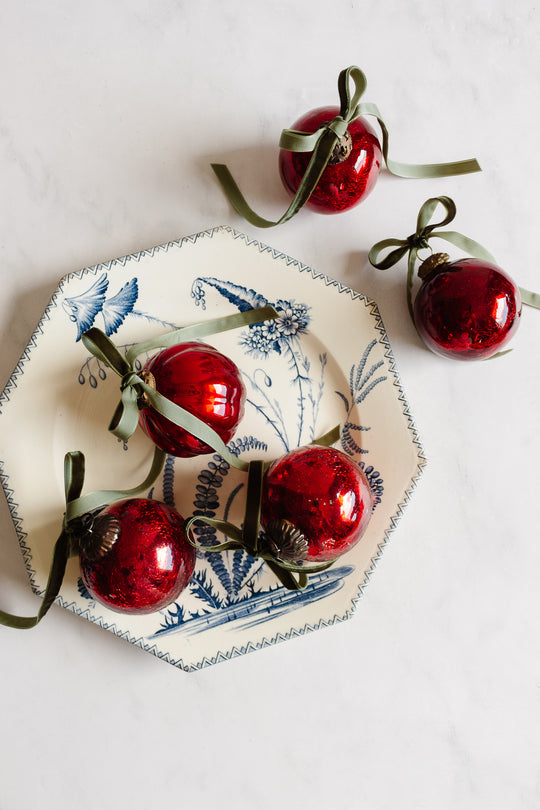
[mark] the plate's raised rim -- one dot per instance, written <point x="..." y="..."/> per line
<point x="355" y="295"/>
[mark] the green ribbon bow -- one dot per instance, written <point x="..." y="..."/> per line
<point x="248" y="537"/>
<point x="133" y="386"/>
<point x="67" y="544"/>
<point x="322" y="143"/>
<point x="420" y="240"/>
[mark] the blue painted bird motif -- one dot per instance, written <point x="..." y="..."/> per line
<point x="83" y="309"/>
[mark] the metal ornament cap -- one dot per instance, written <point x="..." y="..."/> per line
<point x="341" y="150"/>
<point x="285" y="541"/>
<point x="431" y="263"/>
<point x="147" y="377"/>
<point x="99" y="535"/>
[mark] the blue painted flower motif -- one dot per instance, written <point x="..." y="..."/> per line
<point x="83" y="309"/>
<point x="361" y="384"/>
<point x="261" y="339"/>
<point x="293" y="318"/>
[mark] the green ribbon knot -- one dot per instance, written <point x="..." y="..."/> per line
<point x="338" y="127"/>
<point x="67" y="544"/>
<point x="351" y="86"/>
<point x="133" y="386"/>
<point x="248" y="537"/>
<point x="130" y="380"/>
<point x="417" y="241"/>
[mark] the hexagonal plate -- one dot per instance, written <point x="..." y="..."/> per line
<point x="329" y="362"/>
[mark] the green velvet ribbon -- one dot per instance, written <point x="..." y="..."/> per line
<point x="531" y="299"/>
<point x="322" y="142"/>
<point x="67" y="544"/>
<point x="126" y="415"/>
<point x="420" y="240"/>
<point x="247" y="537"/>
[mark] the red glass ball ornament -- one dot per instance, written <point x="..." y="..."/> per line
<point x="148" y="565"/>
<point x="202" y="381"/>
<point x="467" y="309"/>
<point x="342" y="184"/>
<point x="324" y="494"/>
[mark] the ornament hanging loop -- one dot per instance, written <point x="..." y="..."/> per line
<point x="426" y="247"/>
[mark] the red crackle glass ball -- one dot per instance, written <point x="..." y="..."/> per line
<point x="345" y="183"/>
<point x="324" y="494"/>
<point x="148" y="562"/>
<point x="467" y="309"/>
<point x="202" y="381"/>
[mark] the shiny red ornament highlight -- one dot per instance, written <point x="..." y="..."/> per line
<point x="467" y="310"/>
<point x="342" y="185"/>
<point x="324" y="494"/>
<point x="148" y="566"/>
<point x="202" y="381"/>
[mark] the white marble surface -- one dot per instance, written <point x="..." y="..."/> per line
<point x="430" y="697"/>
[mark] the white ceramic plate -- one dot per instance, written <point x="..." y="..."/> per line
<point x="330" y="362"/>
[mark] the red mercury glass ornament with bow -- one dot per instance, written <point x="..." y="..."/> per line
<point x="134" y="556"/>
<point x="330" y="159"/>
<point x="467" y="309"/>
<point x="352" y="170"/>
<point x="204" y="382"/>
<point x="323" y="494"/>
<point x="302" y="512"/>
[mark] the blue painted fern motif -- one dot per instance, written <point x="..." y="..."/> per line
<point x="232" y="577"/>
<point x="234" y="571"/>
<point x="361" y="384"/>
<point x="238" y="295"/>
<point x="201" y="587"/>
<point x="168" y="482"/>
<point x="375" y="482"/>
